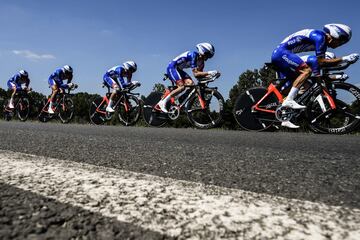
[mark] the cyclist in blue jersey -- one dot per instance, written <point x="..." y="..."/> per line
<point x="114" y="79"/>
<point x="190" y="59"/>
<point x="19" y="82"/>
<point x="56" y="83"/>
<point x="291" y="65"/>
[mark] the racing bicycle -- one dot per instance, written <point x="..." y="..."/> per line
<point x="63" y="107"/>
<point x="21" y="106"/>
<point x="127" y="106"/>
<point x="332" y="105"/>
<point x="203" y="105"/>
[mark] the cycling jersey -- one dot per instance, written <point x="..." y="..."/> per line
<point x="17" y="81"/>
<point x="114" y="76"/>
<point x="188" y="59"/>
<point x="284" y="56"/>
<point x="58" y="77"/>
<point x="312" y="61"/>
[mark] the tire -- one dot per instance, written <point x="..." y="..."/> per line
<point x="96" y="117"/>
<point x="151" y="116"/>
<point x="243" y="110"/>
<point x="131" y="116"/>
<point x="211" y="116"/>
<point x="66" y="110"/>
<point x="23" y="109"/>
<point x="344" y="119"/>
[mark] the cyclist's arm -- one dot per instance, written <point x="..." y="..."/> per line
<point x="199" y="73"/>
<point x="328" y="62"/>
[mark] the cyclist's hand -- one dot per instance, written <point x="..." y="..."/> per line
<point x="136" y="83"/>
<point x="352" y="58"/>
<point x="70" y="85"/>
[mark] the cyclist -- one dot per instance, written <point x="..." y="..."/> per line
<point x="56" y="82"/>
<point x="190" y="59"/>
<point x="114" y="79"/>
<point x="15" y="83"/>
<point x="291" y="65"/>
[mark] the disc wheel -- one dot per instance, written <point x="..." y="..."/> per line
<point x="154" y="117"/>
<point x="97" y="111"/>
<point x="246" y="117"/>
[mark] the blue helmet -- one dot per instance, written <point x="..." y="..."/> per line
<point x="23" y="73"/>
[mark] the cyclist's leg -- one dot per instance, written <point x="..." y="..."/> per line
<point x="54" y="91"/>
<point x="109" y="82"/>
<point x="292" y="65"/>
<point x="13" y="87"/>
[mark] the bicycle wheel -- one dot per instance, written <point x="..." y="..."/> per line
<point x="97" y="111"/>
<point x="152" y="116"/>
<point x="209" y="117"/>
<point x="129" y="110"/>
<point x="344" y="119"/>
<point x="244" y="115"/>
<point x="7" y="112"/>
<point x="23" y="109"/>
<point x="66" y="110"/>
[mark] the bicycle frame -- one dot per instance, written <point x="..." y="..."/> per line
<point x="272" y="89"/>
<point x="123" y="93"/>
<point x="18" y="100"/>
<point x="59" y="100"/>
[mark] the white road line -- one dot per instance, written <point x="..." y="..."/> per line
<point x="177" y="208"/>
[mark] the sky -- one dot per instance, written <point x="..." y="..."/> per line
<point x="93" y="36"/>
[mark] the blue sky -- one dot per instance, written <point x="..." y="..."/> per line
<point x="93" y="36"/>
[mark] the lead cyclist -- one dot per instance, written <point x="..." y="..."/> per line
<point x="291" y="65"/>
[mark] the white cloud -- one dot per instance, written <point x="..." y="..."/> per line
<point x="33" y="56"/>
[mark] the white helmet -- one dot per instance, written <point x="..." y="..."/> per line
<point x="330" y="55"/>
<point x="23" y="73"/>
<point x="339" y="31"/>
<point x="206" y="49"/>
<point x="68" y="69"/>
<point x="130" y="66"/>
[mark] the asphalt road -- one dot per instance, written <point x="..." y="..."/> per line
<point x="317" y="168"/>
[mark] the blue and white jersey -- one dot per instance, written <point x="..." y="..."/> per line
<point x="58" y="78"/>
<point x="18" y="80"/>
<point x="189" y="59"/>
<point x="117" y="73"/>
<point x="306" y="40"/>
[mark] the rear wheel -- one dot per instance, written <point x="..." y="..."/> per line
<point x="249" y="120"/>
<point x="23" y="109"/>
<point x="66" y="110"/>
<point x="152" y="116"/>
<point x="209" y="117"/>
<point x="97" y="111"/>
<point x="344" y="119"/>
<point x="129" y="110"/>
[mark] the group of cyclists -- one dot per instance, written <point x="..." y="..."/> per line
<point x="285" y="58"/>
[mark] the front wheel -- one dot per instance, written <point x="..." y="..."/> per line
<point x="211" y="115"/>
<point x="152" y="116"/>
<point x="246" y="117"/>
<point x="129" y="110"/>
<point x="23" y="109"/>
<point x="66" y="110"/>
<point x="342" y="120"/>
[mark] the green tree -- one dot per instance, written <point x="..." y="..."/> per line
<point x="158" y="87"/>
